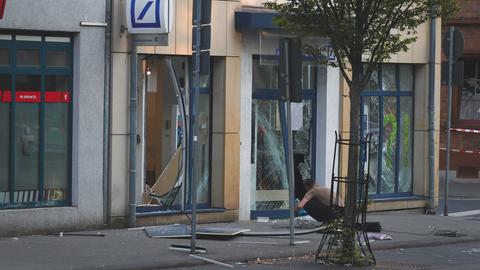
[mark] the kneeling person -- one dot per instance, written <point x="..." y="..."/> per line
<point x="317" y="202"/>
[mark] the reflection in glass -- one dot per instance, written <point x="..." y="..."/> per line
<point x="406" y="138"/>
<point x="309" y="75"/>
<point x="4" y="57"/>
<point x="203" y="154"/>
<point x="302" y="132"/>
<point x="372" y="84"/>
<point x="57" y="59"/>
<point x="371" y="125"/>
<point x="27" y="136"/>
<point x="28" y="57"/>
<point x="271" y="178"/>
<point x="389" y="81"/>
<point x="5" y="83"/>
<point x="56" y="141"/>
<point x="264" y="76"/>
<point x="57" y="83"/>
<point x="389" y="145"/>
<point x="470" y="99"/>
<point x="406" y="77"/>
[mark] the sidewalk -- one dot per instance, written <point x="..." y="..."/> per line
<point x="133" y="249"/>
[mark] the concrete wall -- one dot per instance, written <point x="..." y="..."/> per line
<point x="88" y="89"/>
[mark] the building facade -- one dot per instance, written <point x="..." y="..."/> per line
<point x="51" y="106"/>
<point x="57" y="160"/>
<point x="464" y="162"/>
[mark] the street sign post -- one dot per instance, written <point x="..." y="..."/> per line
<point x="201" y="59"/>
<point x="453" y="44"/>
<point x="290" y="84"/>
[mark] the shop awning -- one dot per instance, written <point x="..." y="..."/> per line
<point x="248" y="18"/>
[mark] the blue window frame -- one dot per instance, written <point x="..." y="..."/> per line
<point x="270" y="197"/>
<point x="387" y="113"/>
<point x="35" y="120"/>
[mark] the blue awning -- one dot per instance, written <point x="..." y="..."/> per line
<point x="255" y="18"/>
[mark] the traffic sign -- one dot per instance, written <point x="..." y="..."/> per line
<point x="206" y="11"/>
<point x="205" y="37"/>
<point x="458" y="43"/>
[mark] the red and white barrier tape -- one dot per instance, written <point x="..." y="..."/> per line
<point x="466" y="130"/>
<point x="461" y="151"/>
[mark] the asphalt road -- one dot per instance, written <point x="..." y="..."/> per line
<point x="462" y="197"/>
<point x="464" y="256"/>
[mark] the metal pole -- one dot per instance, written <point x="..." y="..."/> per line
<point x="289" y="156"/>
<point x="291" y="182"/>
<point x="133" y="135"/>
<point x="449" y="120"/>
<point x="431" y="116"/>
<point x="194" y="131"/>
<point x="106" y="113"/>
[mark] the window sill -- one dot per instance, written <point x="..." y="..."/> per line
<point x="178" y="212"/>
<point x="403" y="198"/>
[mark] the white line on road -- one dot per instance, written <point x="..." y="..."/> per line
<point x="465" y="213"/>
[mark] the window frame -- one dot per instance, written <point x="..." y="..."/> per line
<point x="457" y="100"/>
<point x="274" y="94"/>
<point x="382" y="94"/>
<point x="12" y="70"/>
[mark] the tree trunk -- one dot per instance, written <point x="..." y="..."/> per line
<point x="348" y="247"/>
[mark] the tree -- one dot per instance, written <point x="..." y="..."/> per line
<point x="362" y="33"/>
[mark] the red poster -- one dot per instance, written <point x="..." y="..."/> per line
<point x="22" y="96"/>
<point x="35" y="96"/>
<point x="63" y="97"/>
<point x="3" y="3"/>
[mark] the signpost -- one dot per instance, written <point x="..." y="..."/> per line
<point x="290" y="84"/>
<point x="453" y="47"/>
<point x="201" y="64"/>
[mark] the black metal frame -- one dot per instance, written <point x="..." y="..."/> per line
<point x="328" y="245"/>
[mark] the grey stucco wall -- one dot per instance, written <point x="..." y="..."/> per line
<point x="88" y="92"/>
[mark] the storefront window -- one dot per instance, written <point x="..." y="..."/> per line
<point x="35" y="119"/>
<point x="202" y="160"/>
<point x="387" y="114"/>
<point x="270" y="183"/>
<point x="5" y="84"/>
<point x="470" y="95"/>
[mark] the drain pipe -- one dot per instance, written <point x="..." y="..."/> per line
<point x="106" y="112"/>
<point x="133" y="135"/>
<point x="431" y="116"/>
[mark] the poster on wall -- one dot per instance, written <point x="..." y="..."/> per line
<point x="3" y="3"/>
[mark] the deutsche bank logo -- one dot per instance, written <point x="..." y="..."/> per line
<point x="149" y="16"/>
<point x="145" y="13"/>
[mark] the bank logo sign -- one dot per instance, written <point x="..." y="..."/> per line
<point x="149" y="16"/>
<point x="3" y="3"/>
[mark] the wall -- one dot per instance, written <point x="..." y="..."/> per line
<point x="462" y="165"/>
<point x="225" y="47"/>
<point x="89" y="45"/>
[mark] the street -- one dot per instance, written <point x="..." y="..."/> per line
<point x="463" y="256"/>
<point x="463" y="198"/>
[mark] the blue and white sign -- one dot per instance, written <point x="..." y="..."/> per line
<point x="149" y="16"/>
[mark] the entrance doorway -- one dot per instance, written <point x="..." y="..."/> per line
<point x="165" y="183"/>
